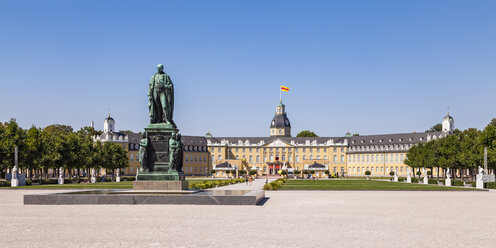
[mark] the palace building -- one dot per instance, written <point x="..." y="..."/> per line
<point x="340" y="156"/>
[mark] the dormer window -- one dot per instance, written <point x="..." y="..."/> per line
<point x="401" y="139"/>
<point x="371" y="141"/>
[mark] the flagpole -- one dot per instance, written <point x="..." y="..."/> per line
<point x="280" y="93"/>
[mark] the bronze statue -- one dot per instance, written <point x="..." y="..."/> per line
<point x="142" y="154"/>
<point x="176" y="148"/>
<point x="161" y="98"/>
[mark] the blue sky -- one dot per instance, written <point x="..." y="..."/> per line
<point x="372" y="67"/>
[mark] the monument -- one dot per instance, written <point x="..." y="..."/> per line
<point x="395" y="179"/>
<point x="448" y="178"/>
<point x="161" y="149"/>
<point x="426" y="178"/>
<point x="408" y="176"/>
<point x="479" y="182"/>
<point x="14" y="182"/>
<point x="60" y="180"/>
<point x="93" y="177"/>
<point x="118" y="175"/>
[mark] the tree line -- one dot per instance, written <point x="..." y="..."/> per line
<point x="55" y="146"/>
<point x="462" y="152"/>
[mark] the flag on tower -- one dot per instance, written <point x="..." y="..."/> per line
<point x="284" y="88"/>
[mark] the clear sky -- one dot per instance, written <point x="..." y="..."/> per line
<point x="372" y="67"/>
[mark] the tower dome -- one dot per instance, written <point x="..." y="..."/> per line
<point x="108" y="124"/>
<point x="280" y="125"/>
<point x="448" y="124"/>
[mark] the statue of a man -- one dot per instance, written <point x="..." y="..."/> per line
<point x="142" y="154"/>
<point x="176" y="148"/>
<point x="161" y="97"/>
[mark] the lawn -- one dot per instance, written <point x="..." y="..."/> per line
<point x="355" y="184"/>
<point x="104" y="185"/>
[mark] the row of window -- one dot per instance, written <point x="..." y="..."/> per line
<point x="283" y="158"/>
<point x="304" y="149"/>
<point x="378" y="169"/>
<point x="376" y="158"/>
<point x="192" y="170"/>
<point x="390" y="140"/>
<point x="380" y="147"/>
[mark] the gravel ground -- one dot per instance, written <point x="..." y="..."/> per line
<point x="288" y="218"/>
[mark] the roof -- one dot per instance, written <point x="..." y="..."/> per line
<point x="134" y="137"/>
<point x="316" y="165"/>
<point x="387" y="139"/>
<point x="194" y="140"/>
<point x="267" y="140"/>
<point x="280" y="121"/>
<point x="225" y="165"/>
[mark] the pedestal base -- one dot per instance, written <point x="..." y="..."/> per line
<point x="395" y="179"/>
<point x="479" y="184"/>
<point x="447" y="182"/>
<point x="60" y="180"/>
<point x="160" y="185"/>
<point x="426" y="181"/>
<point x="409" y="180"/>
<point x="160" y="176"/>
<point x="14" y="183"/>
<point x="118" y="179"/>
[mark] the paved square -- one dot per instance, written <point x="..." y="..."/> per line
<point x="288" y="218"/>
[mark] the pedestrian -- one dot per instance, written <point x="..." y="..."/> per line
<point x="246" y="180"/>
<point x="249" y="180"/>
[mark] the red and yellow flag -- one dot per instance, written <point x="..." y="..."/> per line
<point x="284" y="88"/>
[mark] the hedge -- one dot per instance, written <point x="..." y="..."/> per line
<point x="211" y="184"/>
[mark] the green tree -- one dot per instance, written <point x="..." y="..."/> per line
<point x="11" y="136"/>
<point x="436" y="128"/>
<point x="306" y="133"/>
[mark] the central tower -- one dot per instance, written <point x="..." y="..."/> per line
<point x="280" y="126"/>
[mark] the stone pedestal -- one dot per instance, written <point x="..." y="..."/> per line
<point x="158" y="164"/>
<point x="118" y="179"/>
<point x="479" y="184"/>
<point x="60" y="180"/>
<point x="409" y="179"/>
<point x="426" y="180"/>
<point x="447" y="182"/>
<point x="160" y="185"/>
<point x="14" y="183"/>
<point x="395" y="179"/>
<point x="93" y="179"/>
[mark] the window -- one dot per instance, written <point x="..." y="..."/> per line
<point x="325" y="149"/>
<point x="325" y="157"/>
<point x="251" y="159"/>
<point x="271" y="158"/>
<point x="401" y="157"/>
<point x="318" y="156"/>
<point x="244" y="150"/>
<point x="311" y="157"/>
<point x="368" y="158"/>
<point x="334" y="170"/>
<point x="250" y="150"/>
<point x="342" y="158"/>
<point x="304" y="149"/>
<point x="258" y="159"/>
<point x="290" y="159"/>
<point x="297" y="158"/>
<point x="218" y="149"/>
<point x="237" y="156"/>
<point x="342" y="149"/>
<point x="372" y="158"/>
<point x="335" y="158"/>
<point x="132" y="157"/>
<point x="219" y="157"/>
<point x="258" y="149"/>
<point x="318" y="150"/>
<point x="334" y="150"/>
<point x="196" y="160"/>
<point x="396" y="158"/>
<point x="236" y="149"/>
<point x="304" y="157"/>
<point x="283" y="157"/>
<point x="265" y="159"/>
